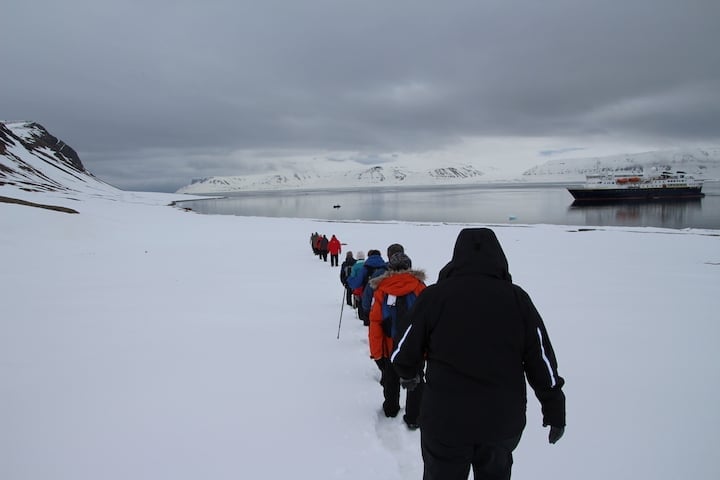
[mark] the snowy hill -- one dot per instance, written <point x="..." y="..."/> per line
<point x="702" y="162"/>
<point x="376" y="176"/>
<point x="32" y="160"/>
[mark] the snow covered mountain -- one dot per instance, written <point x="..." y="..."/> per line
<point x="32" y="160"/>
<point x="377" y="176"/>
<point x="702" y="162"/>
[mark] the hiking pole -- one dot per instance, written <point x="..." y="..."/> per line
<point x="342" y="305"/>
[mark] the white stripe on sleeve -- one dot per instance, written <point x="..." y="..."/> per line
<point x="400" y="343"/>
<point x="553" y="380"/>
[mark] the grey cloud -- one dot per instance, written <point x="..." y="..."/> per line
<point x="120" y="79"/>
<point x="550" y="153"/>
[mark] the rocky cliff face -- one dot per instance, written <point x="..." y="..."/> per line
<point x="31" y="159"/>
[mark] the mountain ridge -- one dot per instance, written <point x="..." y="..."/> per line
<point x="704" y="162"/>
<point x="33" y="160"/>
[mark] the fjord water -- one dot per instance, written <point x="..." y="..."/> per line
<point x="486" y="204"/>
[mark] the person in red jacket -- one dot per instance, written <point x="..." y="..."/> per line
<point x="394" y="293"/>
<point x="334" y="248"/>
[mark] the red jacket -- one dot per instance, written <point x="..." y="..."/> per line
<point x="334" y="246"/>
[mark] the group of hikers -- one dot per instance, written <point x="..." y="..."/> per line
<point x="462" y="348"/>
<point x="321" y="247"/>
<point x="382" y="292"/>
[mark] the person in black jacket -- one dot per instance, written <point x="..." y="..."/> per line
<point x="345" y="270"/>
<point x="481" y="337"/>
<point x="324" y="247"/>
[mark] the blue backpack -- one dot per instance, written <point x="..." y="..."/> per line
<point x="394" y="310"/>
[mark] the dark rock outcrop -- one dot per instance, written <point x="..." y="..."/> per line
<point x="23" y="144"/>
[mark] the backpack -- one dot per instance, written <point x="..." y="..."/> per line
<point x="394" y="310"/>
<point x="345" y="272"/>
<point x="364" y="292"/>
<point x="371" y="272"/>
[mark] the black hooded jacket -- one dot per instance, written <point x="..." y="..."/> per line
<point x="482" y="337"/>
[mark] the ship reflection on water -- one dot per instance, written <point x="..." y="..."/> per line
<point x="677" y="213"/>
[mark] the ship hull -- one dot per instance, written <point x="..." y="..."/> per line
<point x="616" y="194"/>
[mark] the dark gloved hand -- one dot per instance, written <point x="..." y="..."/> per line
<point x="555" y="434"/>
<point x="410" y="383"/>
<point x="382" y="363"/>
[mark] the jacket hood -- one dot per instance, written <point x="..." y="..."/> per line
<point x="398" y="279"/>
<point x="375" y="261"/>
<point x="477" y="251"/>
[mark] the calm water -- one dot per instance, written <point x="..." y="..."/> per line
<point x="528" y="204"/>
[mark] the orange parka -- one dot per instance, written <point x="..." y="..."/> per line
<point x="396" y="283"/>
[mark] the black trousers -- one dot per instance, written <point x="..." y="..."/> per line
<point x="391" y="394"/>
<point x="333" y="260"/>
<point x="363" y="314"/>
<point x="489" y="461"/>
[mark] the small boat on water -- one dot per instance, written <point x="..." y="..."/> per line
<point x="636" y="186"/>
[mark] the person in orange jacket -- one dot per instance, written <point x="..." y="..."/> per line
<point x="394" y="294"/>
<point x="334" y="248"/>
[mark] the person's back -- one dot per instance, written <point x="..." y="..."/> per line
<point x="360" y="276"/>
<point x="355" y="273"/>
<point x="359" y="280"/>
<point x="377" y="271"/>
<point x="375" y="266"/>
<point x="482" y="338"/>
<point x="393" y="285"/>
<point x="324" y="247"/>
<point x="346" y="267"/>
<point x="345" y="271"/>
<point x="477" y="352"/>
<point x="356" y="269"/>
<point x="334" y="248"/>
<point x="394" y="294"/>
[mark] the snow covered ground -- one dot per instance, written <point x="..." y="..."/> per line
<point x="139" y="341"/>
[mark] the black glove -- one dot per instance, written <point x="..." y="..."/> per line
<point x="381" y="363"/>
<point x="410" y="383"/>
<point x="555" y="434"/>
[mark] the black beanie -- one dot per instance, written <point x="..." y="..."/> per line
<point x="393" y="249"/>
<point x="400" y="261"/>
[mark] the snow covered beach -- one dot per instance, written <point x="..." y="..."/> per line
<point x="142" y="341"/>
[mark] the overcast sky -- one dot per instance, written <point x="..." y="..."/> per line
<point x="153" y="93"/>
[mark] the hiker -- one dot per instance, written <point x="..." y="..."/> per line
<point x="323" y="247"/>
<point x="345" y="270"/>
<point x="355" y="272"/>
<point x="313" y="243"/>
<point x="394" y="293"/>
<point x="481" y="337"/>
<point x="358" y="283"/>
<point x="318" y="241"/>
<point x="334" y="248"/>
<point x="367" y="295"/>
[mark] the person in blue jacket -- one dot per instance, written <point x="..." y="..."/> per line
<point x="358" y="282"/>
